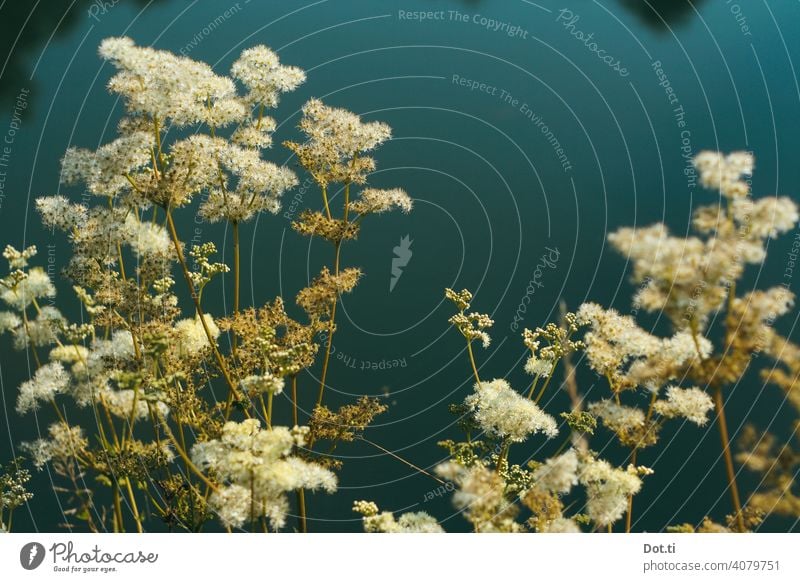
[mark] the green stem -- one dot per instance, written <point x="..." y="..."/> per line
<point x="472" y="362"/>
<point x="331" y="327"/>
<point x="236" y="277"/>
<point x="196" y="300"/>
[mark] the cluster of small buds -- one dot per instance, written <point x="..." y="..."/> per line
<point x="365" y="508"/>
<point x="461" y="299"/>
<point x="262" y="384"/>
<point x="204" y="270"/>
<point x="559" y="344"/>
<point x="19" y="259"/>
<point x="472" y="326"/>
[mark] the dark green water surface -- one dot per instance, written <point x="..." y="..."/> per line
<point x="516" y="143"/>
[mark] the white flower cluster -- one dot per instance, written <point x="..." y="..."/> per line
<point x="618" y="348"/>
<point x="617" y="417"/>
<point x="263" y="384"/>
<point x="103" y="171"/>
<point x="258" y="186"/>
<point x="726" y="173"/>
<point x="336" y="144"/>
<point x="375" y="201"/>
<point x="690" y="403"/>
<point x="260" y="70"/>
<point x="192" y="338"/>
<point x="480" y="495"/>
<point x="161" y="85"/>
<point x="539" y="367"/>
<point x="376" y="521"/>
<point x="49" y="380"/>
<point x="689" y="277"/>
<point x="607" y="489"/>
<point x="65" y="443"/>
<point x="503" y="413"/>
<point x="35" y="284"/>
<point x="258" y="470"/>
<point x="341" y="130"/>
<point x="558" y="474"/>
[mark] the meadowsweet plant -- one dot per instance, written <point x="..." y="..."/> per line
<point x="160" y="413"/>
<point x="717" y="336"/>
<point x="153" y="418"/>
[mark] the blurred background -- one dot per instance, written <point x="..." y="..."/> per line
<point x="516" y="140"/>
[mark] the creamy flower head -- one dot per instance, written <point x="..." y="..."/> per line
<point x="376" y="521"/>
<point x="161" y="85"/>
<point x="192" y="334"/>
<point x="260" y="70"/>
<point x="35" y="285"/>
<point x="375" y="201"/>
<point x="49" y="380"/>
<point x="607" y="489"/>
<point x="558" y="474"/>
<point x="690" y="403"/>
<point x="617" y="417"/>
<point x="725" y="173"/>
<point x="503" y="413"/>
<point x="257" y="471"/>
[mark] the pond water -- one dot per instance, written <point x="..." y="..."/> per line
<point x="525" y="132"/>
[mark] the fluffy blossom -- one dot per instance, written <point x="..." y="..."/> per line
<point x="558" y="474"/>
<point x="480" y="496"/>
<point x="690" y="403"/>
<point x="65" y="443"/>
<point x="49" y="380"/>
<point x="161" y="85"/>
<point x="263" y="384"/>
<point x="616" y="416"/>
<point x="385" y="522"/>
<point x="607" y="489"/>
<point x="192" y="334"/>
<point x="337" y="143"/>
<point x="35" y="285"/>
<point x="374" y="201"/>
<point x="725" y="173"/>
<point x="258" y="470"/>
<point x="259" y="69"/>
<point x="503" y="413"/>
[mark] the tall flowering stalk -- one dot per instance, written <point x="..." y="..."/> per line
<point x="163" y="445"/>
<point x="692" y="280"/>
<point x="164" y="448"/>
<point x="335" y="153"/>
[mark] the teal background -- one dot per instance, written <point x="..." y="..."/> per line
<point x="491" y="195"/>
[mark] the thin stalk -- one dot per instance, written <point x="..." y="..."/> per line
<point x="236" y="277"/>
<point x="325" y="202"/>
<point x="546" y="383"/>
<point x="634" y="454"/>
<point x="402" y="460"/>
<point x="301" y="506"/>
<point x="329" y="342"/>
<point x="118" y="525"/>
<point x="196" y="300"/>
<point x="134" y="507"/>
<point x="726" y="450"/>
<point x="294" y="400"/>
<point x="185" y="457"/>
<point x="472" y="362"/>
